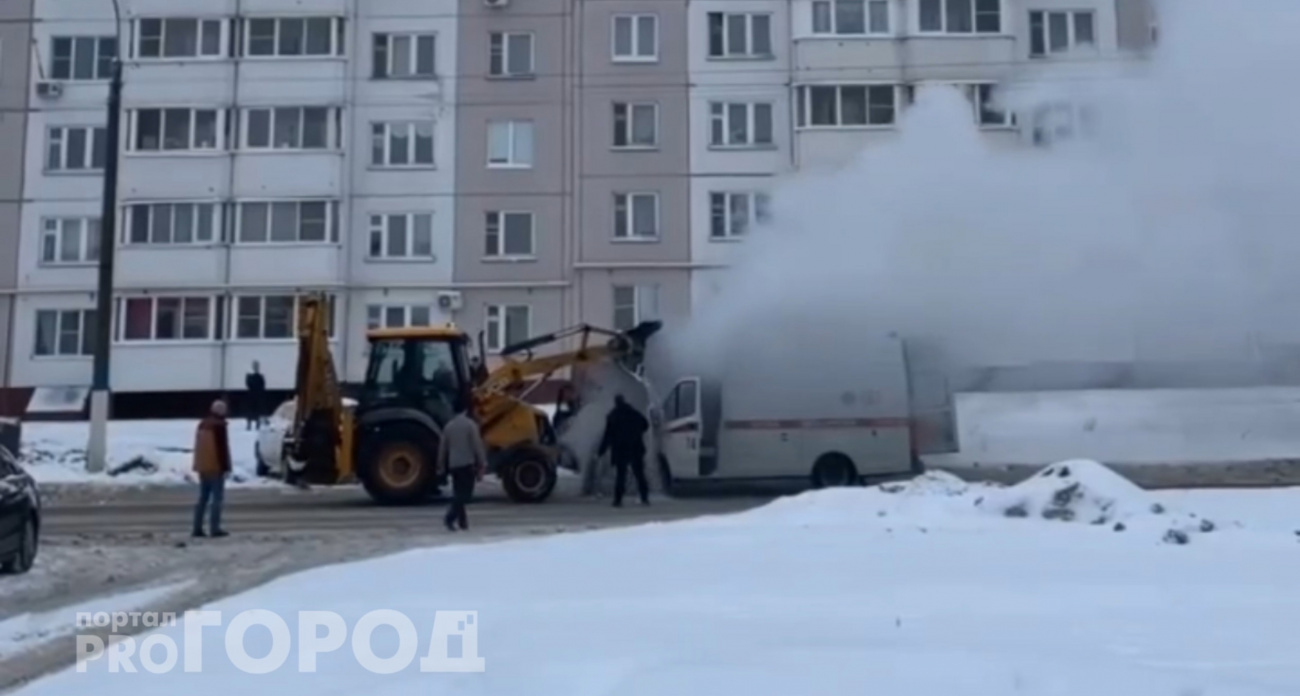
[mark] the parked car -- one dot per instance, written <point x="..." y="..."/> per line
<point x="20" y="516"/>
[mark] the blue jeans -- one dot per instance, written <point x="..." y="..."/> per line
<point x="214" y="491"/>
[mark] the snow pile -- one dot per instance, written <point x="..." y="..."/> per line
<point x="1085" y="491"/>
<point x="139" y="452"/>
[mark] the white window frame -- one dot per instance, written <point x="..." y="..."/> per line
<point x="1043" y="32"/>
<point x="720" y="115"/>
<point x="976" y="13"/>
<point x="1057" y="122"/>
<point x="513" y="138"/>
<point x="237" y="305"/>
<point x="201" y="53"/>
<point x="155" y="209"/>
<point x="384" y="134"/>
<point x="385" y="70"/>
<point x="55" y="231"/>
<point x="496" y="319"/>
<point x="336" y="38"/>
<point x="499" y="45"/>
<point x="494" y="232"/>
<point x="727" y="50"/>
<point x="211" y="329"/>
<point x="979" y="94"/>
<point x="627" y="127"/>
<point x="756" y="206"/>
<point x="333" y="118"/>
<point x="830" y="9"/>
<point x="104" y="57"/>
<point x="331" y="222"/>
<point x="58" y="136"/>
<point x="192" y="146"/>
<point x="84" y="328"/>
<point x="381" y="230"/>
<point x="637" y="53"/>
<point x="643" y="294"/>
<point x="804" y="107"/>
<point x="378" y="315"/>
<point x="625" y="203"/>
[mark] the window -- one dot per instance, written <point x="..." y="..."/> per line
<point x="851" y="17"/>
<point x="636" y="125"/>
<point x="82" y="57"/>
<point x="961" y="16"/>
<point x="401" y="236"/>
<point x="847" y="106"/>
<point x="508" y="234"/>
<point x="510" y="144"/>
<point x="180" y="37"/>
<point x="635" y="38"/>
<point x="75" y="148"/>
<point x="730" y="213"/>
<point x="507" y="325"/>
<point x="174" y="129"/>
<point x="740" y="124"/>
<point x="1060" y="121"/>
<point x="171" y="223"/>
<point x="510" y="54"/>
<point x="272" y="317"/>
<point x="404" y="56"/>
<point x="288" y="222"/>
<point x="398" y="316"/>
<point x="981" y="97"/>
<point x="291" y="128"/>
<point x="634" y="304"/>
<point x="740" y="35"/>
<point x="69" y="240"/>
<point x="167" y="318"/>
<point x="65" y="332"/>
<point x="401" y="144"/>
<point x="636" y="216"/>
<point x="1060" y="32"/>
<point x="294" y="36"/>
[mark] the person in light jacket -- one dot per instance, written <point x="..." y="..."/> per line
<point x="462" y="454"/>
<point x="212" y="466"/>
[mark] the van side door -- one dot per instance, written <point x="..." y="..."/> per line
<point x="682" y="428"/>
<point x="931" y="403"/>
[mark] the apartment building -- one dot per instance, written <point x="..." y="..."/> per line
<point x="512" y="167"/>
<point x="15" y="35"/>
<point x="269" y="147"/>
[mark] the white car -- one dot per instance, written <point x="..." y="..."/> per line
<point x="268" y="448"/>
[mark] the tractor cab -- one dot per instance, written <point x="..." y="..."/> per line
<point x="425" y="369"/>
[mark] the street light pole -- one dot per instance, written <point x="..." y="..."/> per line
<point x="97" y="448"/>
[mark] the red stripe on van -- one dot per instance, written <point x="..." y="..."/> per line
<point x="819" y="424"/>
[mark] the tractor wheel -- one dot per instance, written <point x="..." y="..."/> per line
<point x="527" y="474"/>
<point x="397" y="464"/>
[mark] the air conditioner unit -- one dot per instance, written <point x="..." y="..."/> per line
<point x="496" y="3"/>
<point x="49" y="90"/>
<point x="450" y="301"/>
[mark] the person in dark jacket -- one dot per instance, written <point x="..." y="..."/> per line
<point x="212" y="466"/>
<point x="256" y="385"/>
<point x="624" y="439"/>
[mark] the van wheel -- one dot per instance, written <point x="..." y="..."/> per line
<point x="834" y="470"/>
<point x="25" y="557"/>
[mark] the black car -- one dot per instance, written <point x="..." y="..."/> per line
<point x="20" y="516"/>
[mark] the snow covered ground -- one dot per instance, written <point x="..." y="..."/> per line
<point x="25" y="631"/>
<point x="1069" y="584"/>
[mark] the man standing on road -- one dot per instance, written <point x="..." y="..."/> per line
<point x="256" y="385"/>
<point x="624" y="439"/>
<point x="462" y="454"/>
<point x="212" y="465"/>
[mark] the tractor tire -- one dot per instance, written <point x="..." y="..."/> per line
<point x="527" y="474"/>
<point x="834" y="470"/>
<point x="397" y="464"/>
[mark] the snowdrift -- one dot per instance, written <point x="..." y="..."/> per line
<point x="1078" y="492"/>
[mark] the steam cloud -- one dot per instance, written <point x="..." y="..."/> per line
<point x="1172" y="232"/>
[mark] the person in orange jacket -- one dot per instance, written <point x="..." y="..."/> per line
<point x="212" y="466"/>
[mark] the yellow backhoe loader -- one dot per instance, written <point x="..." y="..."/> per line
<point x="389" y="440"/>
